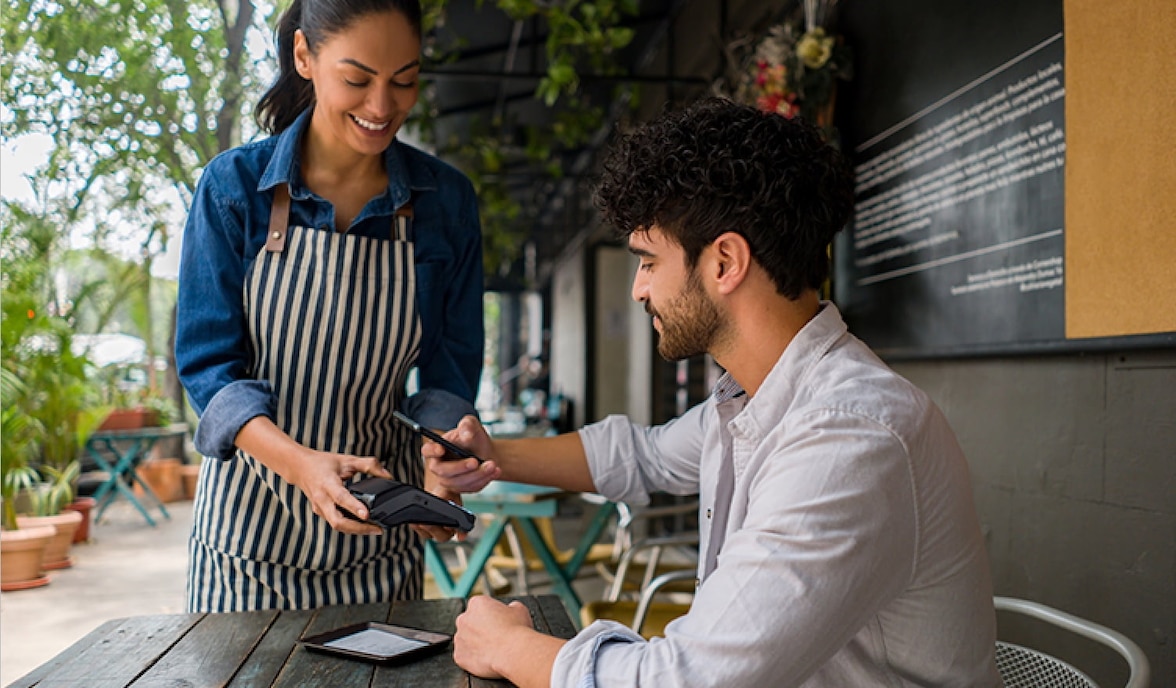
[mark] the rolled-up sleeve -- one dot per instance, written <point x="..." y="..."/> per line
<point x="235" y="405"/>
<point x="576" y="665"/>
<point x="437" y="408"/>
<point x="628" y="462"/>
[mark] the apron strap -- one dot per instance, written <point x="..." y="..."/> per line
<point x="275" y="241"/>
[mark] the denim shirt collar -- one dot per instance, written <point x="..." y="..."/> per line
<point x="405" y="175"/>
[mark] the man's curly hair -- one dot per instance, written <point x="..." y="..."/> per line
<point x="718" y="166"/>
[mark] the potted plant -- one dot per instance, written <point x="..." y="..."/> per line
<point x="132" y="405"/>
<point x="48" y="498"/>
<point x="21" y="551"/>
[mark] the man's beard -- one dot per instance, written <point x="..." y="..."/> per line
<point x="690" y="322"/>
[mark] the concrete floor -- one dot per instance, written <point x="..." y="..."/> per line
<point x="128" y="569"/>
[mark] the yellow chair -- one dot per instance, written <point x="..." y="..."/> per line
<point x="646" y="615"/>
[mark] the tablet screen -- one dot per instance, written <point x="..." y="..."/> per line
<point x="375" y="642"/>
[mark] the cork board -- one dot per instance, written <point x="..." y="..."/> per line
<point x="1121" y="167"/>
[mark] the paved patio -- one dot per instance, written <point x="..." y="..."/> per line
<point x="128" y="568"/>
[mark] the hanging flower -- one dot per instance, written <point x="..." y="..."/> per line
<point x="815" y="48"/>
<point x="789" y="71"/>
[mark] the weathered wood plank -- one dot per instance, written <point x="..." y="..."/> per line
<point x="66" y="656"/>
<point x="209" y="654"/>
<point x="120" y="656"/>
<point x="315" y="669"/>
<point x="270" y="655"/>
<point x="559" y="622"/>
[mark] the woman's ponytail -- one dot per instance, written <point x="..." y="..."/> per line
<point x="290" y="94"/>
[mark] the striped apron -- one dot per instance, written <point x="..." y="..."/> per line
<point x="333" y="327"/>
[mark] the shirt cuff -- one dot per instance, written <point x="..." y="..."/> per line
<point x="437" y="408"/>
<point x="227" y="412"/>
<point x="575" y="665"/>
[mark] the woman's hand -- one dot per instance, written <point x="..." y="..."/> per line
<point x="321" y="476"/>
<point x="462" y="475"/>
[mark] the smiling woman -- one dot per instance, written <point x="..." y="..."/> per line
<point x="320" y="265"/>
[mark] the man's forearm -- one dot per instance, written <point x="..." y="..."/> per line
<point x="556" y="461"/>
<point x="528" y="658"/>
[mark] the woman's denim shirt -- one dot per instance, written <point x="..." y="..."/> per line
<point x="226" y="229"/>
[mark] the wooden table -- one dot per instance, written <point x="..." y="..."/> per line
<point x="260" y="649"/>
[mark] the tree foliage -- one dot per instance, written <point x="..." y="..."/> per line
<point x="137" y="96"/>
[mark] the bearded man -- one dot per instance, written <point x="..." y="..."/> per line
<point x="839" y="543"/>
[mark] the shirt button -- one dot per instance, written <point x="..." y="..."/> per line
<point x="697" y="583"/>
<point x="708" y="513"/>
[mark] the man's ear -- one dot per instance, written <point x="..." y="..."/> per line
<point x="732" y="261"/>
<point x="301" y="55"/>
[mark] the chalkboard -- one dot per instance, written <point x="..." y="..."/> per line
<point x="956" y="124"/>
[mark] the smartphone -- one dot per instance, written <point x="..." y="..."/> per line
<point x="377" y="642"/>
<point x="449" y="446"/>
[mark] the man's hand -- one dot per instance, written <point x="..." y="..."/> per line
<point x="483" y="634"/>
<point x="438" y="533"/>
<point x="465" y="475"/>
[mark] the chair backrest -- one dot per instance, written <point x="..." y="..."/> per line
<point x="1021" y="667"/>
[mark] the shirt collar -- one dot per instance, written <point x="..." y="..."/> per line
<point x="805" y="350"/>
<point x="405" y="175"/>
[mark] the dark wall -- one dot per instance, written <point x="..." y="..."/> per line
<point x="1074" y="467"/>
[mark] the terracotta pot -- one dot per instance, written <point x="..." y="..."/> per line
<point x="65" y="525"/>
<point x="191" y="475"/>
<point x="21" y="554"/>
<point x="82" y="505"/>
<point x="130" y="419"/>
<point x="163" y="476"/>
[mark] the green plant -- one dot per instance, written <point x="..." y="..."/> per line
<point x="49" y="403"/>
<point x="54" y="489"/>
<point x="18" y="431"/>
<point x="164" y="407"/>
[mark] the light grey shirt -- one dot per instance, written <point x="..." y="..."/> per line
<point x="839" y="541"/>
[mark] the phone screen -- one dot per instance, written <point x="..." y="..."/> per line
<point x="449" y="446"/>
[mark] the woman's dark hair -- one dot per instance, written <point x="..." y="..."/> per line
<point x="290" y="94"/>
<point x="717" y="167"/>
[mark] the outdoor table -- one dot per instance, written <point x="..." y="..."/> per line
<point x="520" y="503"/>
<point x="118" y="453"/>
<point x="257" y="649"/>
